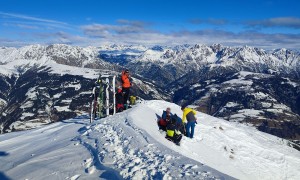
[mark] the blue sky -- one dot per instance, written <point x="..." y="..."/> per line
<point x="268" y="24"/>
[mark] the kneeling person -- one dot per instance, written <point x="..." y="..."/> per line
<point x="165" y="119"/>
<point x="173" y="133"/>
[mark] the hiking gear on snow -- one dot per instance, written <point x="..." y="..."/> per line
<point x="132" y="100"/>
<point x="188" y="114"/>
<point x="101" y="91"/>
<point x="120" y="107"/>
<point x="170" y="133"/>
<point x="98" y="100"/>
<point x="125" y="106"/>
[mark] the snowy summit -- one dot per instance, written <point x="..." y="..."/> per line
<point x="129" y="145"/>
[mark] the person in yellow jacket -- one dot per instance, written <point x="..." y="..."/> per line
<point x="190" y="120"/>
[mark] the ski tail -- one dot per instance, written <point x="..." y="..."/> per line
<point x="92" y="113"/>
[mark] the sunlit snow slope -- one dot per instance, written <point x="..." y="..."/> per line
<point x="232" y="148"/>
<point x="128" y="145"/>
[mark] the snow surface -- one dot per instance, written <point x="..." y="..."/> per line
<point x="129" y="145"/>
<point x="231" y="104"/>
<point x="239" y="81"/>
<point x="25" y="125"/>
<point x="292" y="83"/>
<point x="62" y="108"/>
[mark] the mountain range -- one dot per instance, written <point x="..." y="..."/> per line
<point x="46" y="83"/>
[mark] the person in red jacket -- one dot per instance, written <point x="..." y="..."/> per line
<point x="126" y="84"/>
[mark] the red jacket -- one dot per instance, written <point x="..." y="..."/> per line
<point x="125" y="81"/>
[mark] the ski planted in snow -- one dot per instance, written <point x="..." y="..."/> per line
<point x="101" y="104"/>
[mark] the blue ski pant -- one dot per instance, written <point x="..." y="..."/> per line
<point x="190" y="127"/>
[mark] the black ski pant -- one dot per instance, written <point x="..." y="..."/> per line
<point x="126" y="92"/>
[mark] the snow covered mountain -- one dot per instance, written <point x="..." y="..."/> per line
<point x="44" y="84"/>
<point x="245" y="84"/>
<point x="185" y="57"/>
<point x="128" y="145"/>
<point x="177" y="61"/>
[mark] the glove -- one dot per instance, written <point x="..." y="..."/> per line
<point x="177" y="132"/>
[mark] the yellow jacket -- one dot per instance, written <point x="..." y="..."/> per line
<point x="185" y="112"/>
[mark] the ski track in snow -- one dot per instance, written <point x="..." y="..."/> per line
<point x="129" y="145"/>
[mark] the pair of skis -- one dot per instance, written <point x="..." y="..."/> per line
<point x="100" y="105"/>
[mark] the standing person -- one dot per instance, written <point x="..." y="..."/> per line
<point x="126" y="84"/>
<point x="190" y="120"/>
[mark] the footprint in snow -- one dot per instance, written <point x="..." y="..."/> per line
<point x="88" y="162"/>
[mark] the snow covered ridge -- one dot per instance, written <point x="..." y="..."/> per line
<point x="128" y="145"/>
<point x="179" y="55"/>
<point x="215" y="55"/>
<point x="56" y="56"/>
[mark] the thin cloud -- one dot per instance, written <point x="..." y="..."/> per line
<point x="212" y="21"/>
<point x="133" y="23"/>
<point x="31" y="18"/>
<point x="289" y="22"/>
<point x="11" y="18"/>
<point x="61" y="37"/>
<point x="20" y="25"/>
<point x="208" y="36"/>
<point x="107" y="33"/>
<point x="123" y="27"/>
<point x="251" y="38"/>
<point x="6" y="42"/>
<point x="138" y="32"/>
